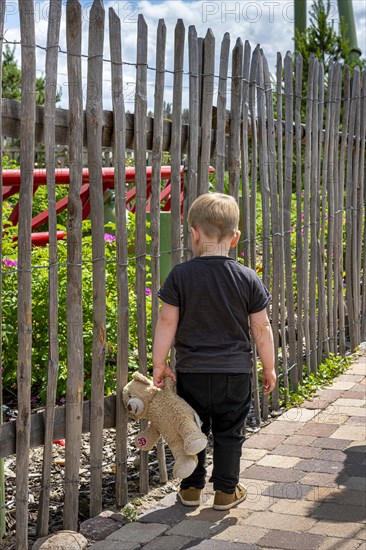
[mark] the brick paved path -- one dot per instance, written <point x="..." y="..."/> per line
<point x="305" y="474"/>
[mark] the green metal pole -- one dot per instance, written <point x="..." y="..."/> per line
<point x="300" y="18"/>
<point x="345" y="8"/>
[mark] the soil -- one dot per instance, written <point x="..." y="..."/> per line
<point x="140" y="503"/>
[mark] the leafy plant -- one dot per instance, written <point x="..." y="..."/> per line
<point x="40" y="262"/>
<point x="327" y="371"/>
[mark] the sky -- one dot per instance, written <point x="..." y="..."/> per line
<point x="265" y="22"/>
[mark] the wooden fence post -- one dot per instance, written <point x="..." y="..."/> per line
<point x="299" y="200"/>
<point x="140" y="163"/>
<point x="53" y="35"/>
<point x="282" y="299"/>
<point x="155" y="202"/>
<point x="221" y="114"/>
<point x="206" y="113"/>
<point x="119" y="154"/>
<point x="24" y="372"/>
<point x="175" y="150"/>
<point x="74" y="307"/>
<point x="94" y="124"/>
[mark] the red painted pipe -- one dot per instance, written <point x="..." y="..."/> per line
<point x="62" y="176"/>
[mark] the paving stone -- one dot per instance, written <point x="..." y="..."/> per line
<point x="329" y="394"/>
<point x="350" y="432"/>
<point x="257" y="504"/>
<point x="355" y="470"/>
<point x="197" y="529"/>
<point x="298" y="414"/>
<point x="333" y="455"/>
<point x="253" y="454"/>
<point x="296" y="508"/>
<point x="358" y="368"/>
<point x="220" y="545"/>
<point x="356" y="447"/>
<point x="355" y="393"/>
<point x="285" y="522"/>
<point x="332" y="417"/>
<point x="352" y="411"/>
<point x="168" y="542"/>
<point x="207" y="513"/>
<point x="278" y="461"/>
<point x="281" y="428"/>
<point x="315" y="404"/>
<point x="299" y="440"/>
<point x="331" y="543"/>
<point x="255" y="488"/>
<point x="355" y="421"/>
<point x="339" y="512"/>
<point x="351" y="378"/>
<point x="321" y="479"/>
<point x="262" y="441"/>
<point x="240" y="532"/>
<point x="138" y="532"/>
<point x="347" y="402"/>
<point x="322" y="466"/>
<point x="355" y="484"/>
<point x="297" y="450"/>
<point x="342" y="530"/>
<point x="290" y="541"/>
<point x="272" y="474"/>
<point x="342" y="385"/>
<point x="167" y="515"/>
<point x="317" y="429"/>
<point x="322" y="494"/>
<point x="245" y="464"/>
<point x="330" y="443"/>
<point x="114" y="545"/>
<point x="288" y="491"/>
<point x="347" y="497"/>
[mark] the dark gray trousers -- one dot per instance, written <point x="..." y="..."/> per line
<point x="222" y="402"/>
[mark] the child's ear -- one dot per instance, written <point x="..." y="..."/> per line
<point x="235" y="239"/>
<point x="195" y="234"/>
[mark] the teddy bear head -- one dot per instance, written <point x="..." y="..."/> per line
<point x="137" y="396"/>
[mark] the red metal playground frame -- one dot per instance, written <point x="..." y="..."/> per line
<point x="11" y="186"/>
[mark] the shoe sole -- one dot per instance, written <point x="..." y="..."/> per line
<point x="189" y="502"/>
<point x="228" y="506"/>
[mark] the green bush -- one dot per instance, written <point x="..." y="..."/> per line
<point x="40" y="261"/>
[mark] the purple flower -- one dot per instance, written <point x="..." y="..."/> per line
<point x="242" y="254"/>
<point x="147" y="291"/>
<point x="109" y="238"/>
<point x="10" y="263"/>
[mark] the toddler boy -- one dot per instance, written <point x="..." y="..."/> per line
<point x="211" y="305"/>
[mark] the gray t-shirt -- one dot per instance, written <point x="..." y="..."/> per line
<point x="215" y="295"/>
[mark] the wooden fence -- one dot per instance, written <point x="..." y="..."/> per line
<point x="295" y="160"/>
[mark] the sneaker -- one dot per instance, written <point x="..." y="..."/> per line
<point x="225" y="501"/>
<point x="190" y="497"/>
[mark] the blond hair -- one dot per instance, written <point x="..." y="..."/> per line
<point x="216" y="214"/>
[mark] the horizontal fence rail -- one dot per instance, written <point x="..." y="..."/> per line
<point x="290" y="147"/>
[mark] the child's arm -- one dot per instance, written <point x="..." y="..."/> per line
<point x="262" y="334"/>
<point x="166" y="327"/>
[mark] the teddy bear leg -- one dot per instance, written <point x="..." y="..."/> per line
<point x="196" y="445"/>
<point x="184" y="466"/>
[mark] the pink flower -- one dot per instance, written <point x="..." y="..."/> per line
<point x="147" y="291"/>
<point x="10" y="263"/>
<point x="109" y="238"/>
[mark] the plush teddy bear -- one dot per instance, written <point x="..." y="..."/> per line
<point x="170" y="416"/>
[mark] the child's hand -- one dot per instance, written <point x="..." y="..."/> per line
<point x="160" y="372"/>
<point x="269" y="378"/>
